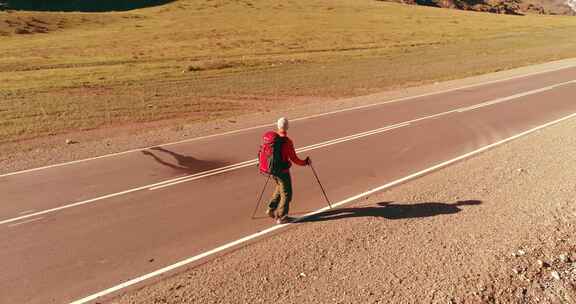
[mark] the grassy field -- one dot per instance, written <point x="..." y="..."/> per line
<point x="195" y="60"/>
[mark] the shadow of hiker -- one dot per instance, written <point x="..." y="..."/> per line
<point x="392" y="211"/>
<point x="184" y="163"/>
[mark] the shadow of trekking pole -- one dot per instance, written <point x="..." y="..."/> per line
<point x="321" y="187"/>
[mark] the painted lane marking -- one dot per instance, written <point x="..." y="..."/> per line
<point x="295" y="119"/>
<point x="25" y="222"/>
<point x="247" y="163"/>
<point x="304" y="149"/>
<point x="26" y="212"/>
<point x="173" y="181"/>
<point x="340" y="203"/>
<point x="76" y="204"/>
<point x="381" y="130"/>
<point x="489" y="103"/>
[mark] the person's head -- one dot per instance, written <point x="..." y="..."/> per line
<point x="282" y="124"/>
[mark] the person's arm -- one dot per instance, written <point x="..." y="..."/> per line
<point x="293" y="157"/>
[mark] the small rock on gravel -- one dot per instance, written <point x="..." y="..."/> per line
<point x="542" y="264"/>
<point x="555" y="275"/>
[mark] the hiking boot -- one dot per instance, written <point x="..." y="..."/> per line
<point x="270" y="213"/>
<point x="285" y="220"/>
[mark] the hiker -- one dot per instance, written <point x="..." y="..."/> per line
<point x="280" y="201"/>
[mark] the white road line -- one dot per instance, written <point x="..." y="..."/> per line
<point x="489" y="103"/>
<point x="293" y="120"/>
<point x="27" y="211"/>
<point x="304" y="149"/>
<point x="25" y="222"/>
<point x="15" y="219"/>
<point x="187" y="178"/>
<point x="340" y="203"/>
<point x="171" y="181"/>
<point x="368" y="133"/>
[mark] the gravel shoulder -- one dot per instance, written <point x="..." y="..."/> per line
<point x="496" y="228"/>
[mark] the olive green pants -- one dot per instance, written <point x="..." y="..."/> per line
<point x="280" y="201"/>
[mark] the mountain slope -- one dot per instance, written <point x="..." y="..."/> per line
<point x="198" y="60"/>
<point x="511" y="7"/>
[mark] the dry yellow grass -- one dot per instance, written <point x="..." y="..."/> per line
<point x="204" y="59"/>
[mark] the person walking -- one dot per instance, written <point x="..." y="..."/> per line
<point x="279" y="204"/>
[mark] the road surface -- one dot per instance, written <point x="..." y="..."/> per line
<point x="71" y="232"/>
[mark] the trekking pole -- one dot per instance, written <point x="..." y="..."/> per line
<point x="321" y="187"/>
<point x="260" y="198"/>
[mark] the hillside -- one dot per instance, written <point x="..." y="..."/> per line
<point x="28" y="23"/>
<point x="549" y="7"/>
<point x="193" y="61"/>
<point x="511" y="7"/>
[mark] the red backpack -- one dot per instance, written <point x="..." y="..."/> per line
<point x="270" y="154"/>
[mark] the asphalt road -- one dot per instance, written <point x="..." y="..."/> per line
<point x="70" y="231"/>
